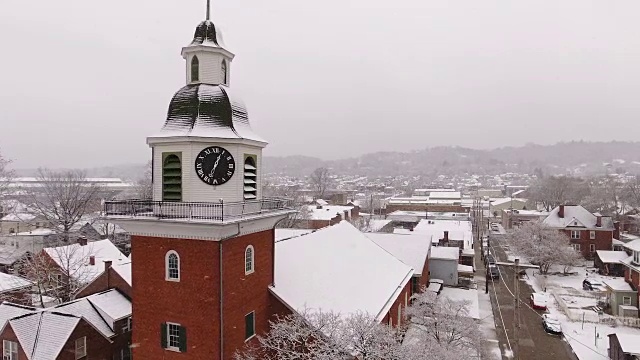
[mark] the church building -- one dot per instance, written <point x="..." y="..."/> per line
<point x="203" y="249"/>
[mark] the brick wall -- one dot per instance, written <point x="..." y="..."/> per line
<point x="105" y="281"/>
<point x="399" y="303"/>
<point x="194" y="301"/>
<point x="8" y="334"/>
<point x="603" y="241"/>
<point x="98" y="347"/>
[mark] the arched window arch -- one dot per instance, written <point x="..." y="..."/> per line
<point x="224" y="71"/>
<point x="195" y="69"/>
<point x="249" y="260"/>
<point x="172" y="266"/>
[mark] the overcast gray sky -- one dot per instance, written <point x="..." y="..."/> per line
<point x="83" y="82"/>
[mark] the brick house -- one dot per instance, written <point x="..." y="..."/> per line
<point x="588" y="232"/>
<point x="632" y="265"/>
<point x="96" y="327"/>
<point x="15" y="289"/>
<point x="323" y="215"/>
<point x="114" y="276"/>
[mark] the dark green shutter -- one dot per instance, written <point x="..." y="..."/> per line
<point x="163" y="335"/>
<point x="183" y="339"/>
<point x="248" y="325"/>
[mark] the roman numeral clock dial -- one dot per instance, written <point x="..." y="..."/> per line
<point x="215" y="165"/>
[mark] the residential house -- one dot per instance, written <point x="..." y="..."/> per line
<point x="588" y="232"/>
<point x="351" y="273"/>
<point x="443" y="264"/>
<point x="322" y="215"/>
<point x="15" y="289"/>
<point x="632" y="264"/>
<point x="514" y="218"/>
<point x="609" y="262"/>
<point x="95" y="327"/>
<point x="621" y="297"/>
<point x="116" y="276"/>
<point x="16" y="222"/>
<point x="623" y="346"/>
<point x="412" y="249"/>
<point x="497" y="205"/>
<point x="80" y="263"/>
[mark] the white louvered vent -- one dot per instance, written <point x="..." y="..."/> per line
<point x="250" y="177"/>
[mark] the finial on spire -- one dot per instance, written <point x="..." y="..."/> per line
<point x="208" y="9"/>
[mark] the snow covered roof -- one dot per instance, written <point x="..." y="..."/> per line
<point x="633" y="245"/>
<point x="500" y="201"/>
<point x="204" y="110"/>
<point x="43" y="334"/>
<point x="37" y="232"/>
<point x="608" y="256"/>
<point x="124" y="270"/>
<point x="628" y="343"/>
<point x="410" y="249"/>
<point x="282" y="234"/>
<point x="207" y="34"/>
<point x="10" y="282"/>
<point x="327" y="212"/>
<point x="470" y="295"/>
<point x="445" y="253"/>
<point x="435" y="228"/>
<point x="576" y="214"/>
<point x="338" y="269"/>
<point x="18" y="217"/>
<point x="465" y="269"/>
<point x="618" y="284"/>
<point x="75" y="258"/>
<point x="374" y="225"/>
<point x="111" y="305"/>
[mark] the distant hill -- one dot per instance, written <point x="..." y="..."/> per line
<point x="577" y="157"/>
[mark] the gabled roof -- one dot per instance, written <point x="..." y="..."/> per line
<point x="338" y="269"/>
<point x="43" y="334"/>
<point x="10" y="282"/>
<point x="577" y="216"/>
<point x="410" y="249"/>
<point x="74" y="258"/>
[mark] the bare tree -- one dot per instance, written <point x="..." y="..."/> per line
<point x="632" y="192"/>
<point x="58" y="272"/>
<point x="446" y="326"/>
<point x="63" y="199"/>
<point x="568" y="258"/>
<point x="605" y="197"/>
<point x="320" y="181"/>
<point x="539" y="243"/>
<point x="6" y="175"/>
<point x="299" y="219"/>
<point x="144" y="185"/>
<point x="557" y="190"/>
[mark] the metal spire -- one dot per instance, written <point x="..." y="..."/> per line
<point x="208" y="9"/>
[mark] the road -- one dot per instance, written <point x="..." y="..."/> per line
<point x="534" y="342"/>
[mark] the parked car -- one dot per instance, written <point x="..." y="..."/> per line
<point x="494" y="272"/>
<point x="551" y="324"/>
<point x="489" y="259"/>
<point x="539" y="301"/>
<point x="591" y="284"/>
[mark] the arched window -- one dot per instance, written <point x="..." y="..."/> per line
<point x="172" y="261"/>
<point x="195" y="69"/>
<point x="224" y="71"/>
<point x="249" y="260"/>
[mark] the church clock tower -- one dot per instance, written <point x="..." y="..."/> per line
<point x="203" y="247"/>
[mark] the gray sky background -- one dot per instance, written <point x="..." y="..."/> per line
<point x="83" y="82"/>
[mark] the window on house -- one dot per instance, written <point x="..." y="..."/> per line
<point x="249" y="325"/>
<point x="173" y="266"/>
<point x="9" y="350"/>
<point x="576" y="247"/>
<point x="81" y="347"/>
<point x="592" y="234"/>
<point x="195" y="69"/>
<point x="171" y="177"/>
<point x="224" y="71"/>
<point x="249" y="260"/>
<point x="12" y="230"/>
<point x="626" y="300"/>
<point x="37" y="225"/>
<point x="575" y="234"/>
<point x="173" y="337"/>
<point x="125" y="354"/>
<point x="636" y="257"/>
<point x="127" y="325"/>
<point x="415" y="285"/>
<point x="592" y="248"/>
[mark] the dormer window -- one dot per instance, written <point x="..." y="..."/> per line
<point x="636" y="257"/>
<point x="224" y="71"/>
<point x="195" y="69"/>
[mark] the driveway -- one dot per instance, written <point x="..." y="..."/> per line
<point x="534" y="342"/>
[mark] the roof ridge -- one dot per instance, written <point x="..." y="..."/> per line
<point x="35" y="340"/>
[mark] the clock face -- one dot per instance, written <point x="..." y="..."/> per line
<point x="215" y="165"/>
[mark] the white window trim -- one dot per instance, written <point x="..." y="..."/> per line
<point x="625" y="302"/>
<point x="84" y="347"/>
<point x="592" y="235"/>
<point x="169" y="347"/>
<point x="166" y="266"/>
<point x="253" y="260"/>
<point x="576" y="247"/>
<point x="592" y="248"/>
<point x="575" y="232"/>
<point x="12" y="348"/>
<point x="254" y="325"/>
<point x="127" y="325"/>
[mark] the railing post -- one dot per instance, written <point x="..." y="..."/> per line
<point x="221" y="210"/>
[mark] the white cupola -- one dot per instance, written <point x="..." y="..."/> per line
<point x="207" y="60"/>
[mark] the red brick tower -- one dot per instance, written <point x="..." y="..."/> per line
<point x="203" y="247"/>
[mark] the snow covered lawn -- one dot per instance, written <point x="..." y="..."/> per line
<point x="584" y="341"/>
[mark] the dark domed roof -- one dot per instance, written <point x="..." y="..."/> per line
<point x="208" y="111"/>
<point x="207" y="33"/>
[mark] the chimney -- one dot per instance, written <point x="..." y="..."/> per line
<point x="82" y="241"/>
<point x="599" y="221"/>
<point x="561" y="212"/>
<point x="107" y="264"/>
<point x="92" y="260"/>
<point x="446" y="236"/>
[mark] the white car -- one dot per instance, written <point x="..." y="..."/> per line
<point x="539" y="301"/>
<point x="551" y="324"/>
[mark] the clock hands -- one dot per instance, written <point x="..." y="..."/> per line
<point x="215" y="166"/>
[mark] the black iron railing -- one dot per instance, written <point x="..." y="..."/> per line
<point x="222" y="211"/>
